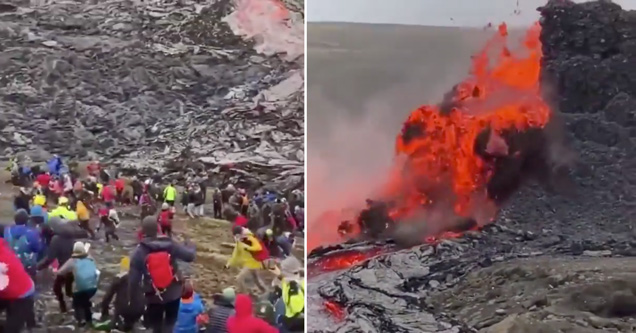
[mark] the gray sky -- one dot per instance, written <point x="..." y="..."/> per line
<point x="431" y="12"/>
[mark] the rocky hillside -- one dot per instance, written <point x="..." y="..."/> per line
<point x="148" y="86"/>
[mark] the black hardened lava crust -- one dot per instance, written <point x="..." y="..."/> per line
<point x="589" y="75"/>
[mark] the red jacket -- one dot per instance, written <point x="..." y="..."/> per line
<point x="19" y="282"/>
<point x="243" y="321"/>
<point x="165" y="218"/>
<point x="43" y="179"/>
<point x="107" y="193"/>
<point x="241" y="221"/>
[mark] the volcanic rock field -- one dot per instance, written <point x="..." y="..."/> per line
<point x="153" y="87"/>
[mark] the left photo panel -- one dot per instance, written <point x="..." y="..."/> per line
<point x="153" y="172"/>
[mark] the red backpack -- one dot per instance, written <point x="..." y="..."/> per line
<point x="159" y="266"/>
<point x="263" y="254"/>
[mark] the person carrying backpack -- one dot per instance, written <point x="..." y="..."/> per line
<point x="129" y="303"/>
<point x="153" y="268"/>
<point x="85" y="277"/>
<point x="27" y="244"/>
<point x="60" y="249"/>
<point x="291" y="313"/>
<point x="16" y="292"/>
<point x="249" y="254"/>
<point x="25" y="241"/>
<point x="222" y="310"/>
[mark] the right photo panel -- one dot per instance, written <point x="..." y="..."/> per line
<point x="470" y="166"/>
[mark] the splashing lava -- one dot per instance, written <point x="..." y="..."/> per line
<point x="461" y="159"/>
<point x="456" y="143"/>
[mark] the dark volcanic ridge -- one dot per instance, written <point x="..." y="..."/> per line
<point x="154" y="87"/>
<point x="589" y="71"/>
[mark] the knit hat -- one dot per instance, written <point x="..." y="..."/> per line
<point x="21" y="217"/>
<point x="149" y="226"/>
<point x="229" y="294"/>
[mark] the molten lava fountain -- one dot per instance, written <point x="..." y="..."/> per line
<point x="447" y="154"/>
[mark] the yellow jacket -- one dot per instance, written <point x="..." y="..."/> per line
<point x="170" y="193"/>
<point x="242" y="254"/>
<point x="294" y="304"/>
<point x="63" y="212"/>
<point x="82" y="212"/>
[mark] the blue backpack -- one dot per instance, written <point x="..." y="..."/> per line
<point x="22" y="249"/>
<point x="85" y="274"/>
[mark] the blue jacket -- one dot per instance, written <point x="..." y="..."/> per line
<point x="32" y="235"/>
<point x="54" y="165"/>
<point x="188" y="312"/>
<point x="39" y="212"/>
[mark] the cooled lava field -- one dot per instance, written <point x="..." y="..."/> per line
<point x="527" y="169"/>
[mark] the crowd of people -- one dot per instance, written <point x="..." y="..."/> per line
<point x="53" y="229"/>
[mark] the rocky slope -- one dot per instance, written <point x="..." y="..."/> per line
<point x="141" y="84"/>
<point x="482" y="282"/>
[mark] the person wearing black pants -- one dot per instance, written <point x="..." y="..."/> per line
<point x="162" y="308"/>
<point x="162" y="315"/>
<point x="19" y="312"/>
<point x="82" y="306"/>
<point x="63" y="284"/>
<point x="60" y="248"/>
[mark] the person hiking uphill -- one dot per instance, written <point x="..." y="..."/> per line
<point x="63" y="210"/>
<point x="25" y="241"/>
<point x="61" y="248"/>
<point x="84" y="216"/>
<point x="38" y="211"/>
<point x="291" y="315"/>
<point x="129" y="303"/>
<point x="107" y="194"/>
<point x="223" y="309"/>
<point x="165" y="220"/>
<point x="17" y="290"/>
<point x="170" y="194"/>
<point x="27" y="244"/>
<point x="109" y="219"/>
<point x="153" y="268"/>
<point x="85" y="278"/>
<point x="21" y="200"/>
<point x="191" y="311"/>
<point x="217" y="203"/>
<point x="249" y="254"/>
<point x="145" y="202"/>
<point x="55" y="165"/>
<point x="243" y="321"/>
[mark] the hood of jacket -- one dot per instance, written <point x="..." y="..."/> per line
<point x="157" y="244"/>
<point x="243" y="306"/>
